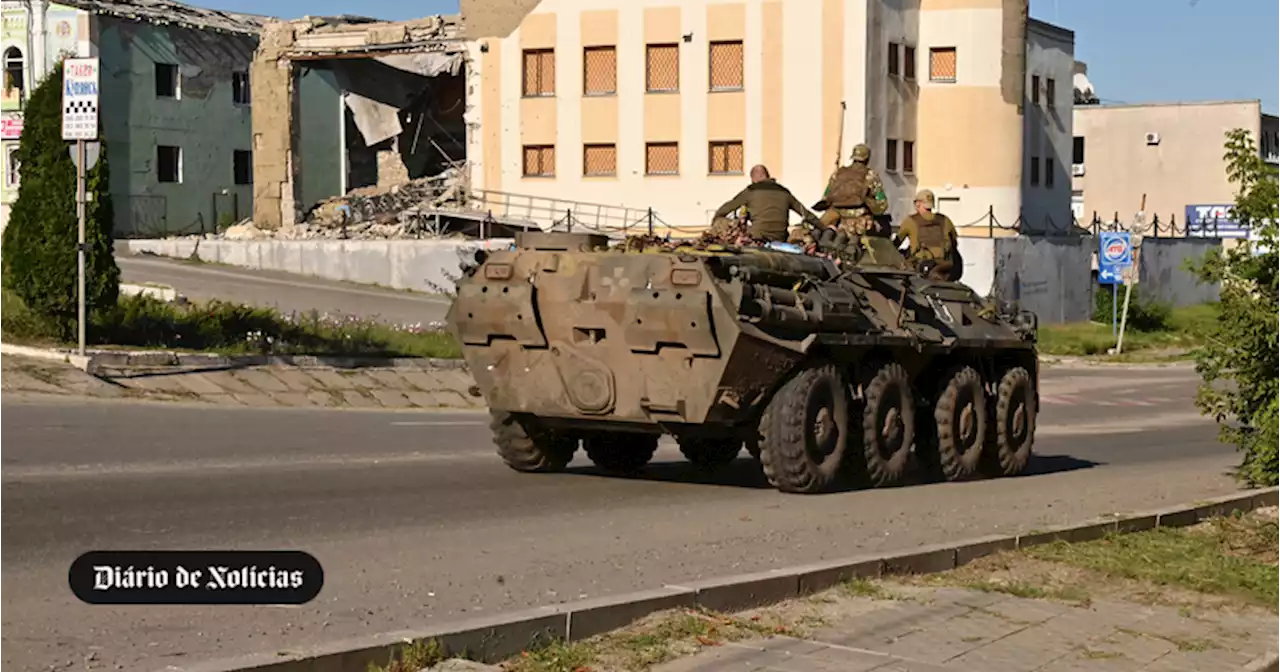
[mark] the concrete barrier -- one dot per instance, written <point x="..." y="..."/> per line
<point x="501" y="636"/>
<point x="420" y="265"/>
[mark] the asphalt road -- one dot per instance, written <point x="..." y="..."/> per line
<point x="417" y="522"/>
<point x="284" y="291"/>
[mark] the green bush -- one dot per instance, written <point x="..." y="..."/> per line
<point x="1239" y="363"/>
<point x="1144" y="314"/>
<point x="39" y="261"/>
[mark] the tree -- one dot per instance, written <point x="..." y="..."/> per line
<point x="1240" y="361"/>
<point x="39" y="261"/>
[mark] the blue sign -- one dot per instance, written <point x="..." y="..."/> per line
<point x="1115" y="256"/>
<point x="1213" y="221"/>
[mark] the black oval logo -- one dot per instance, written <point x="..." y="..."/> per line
<point x="196" y="577"/>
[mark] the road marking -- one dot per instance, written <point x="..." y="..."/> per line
<point x="438" y="423"/>
<point x="179" y="270"/>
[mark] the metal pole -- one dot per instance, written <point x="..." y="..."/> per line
<point x="1115" y="293"/>
<point x="80" y="213"/>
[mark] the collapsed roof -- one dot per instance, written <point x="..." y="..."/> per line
<point x="167" y="12"/>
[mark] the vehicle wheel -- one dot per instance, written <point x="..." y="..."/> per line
<point x="530" y="451"/>
<point x="621" y="451"/>
<point x="1015" y="425"/>
<point x="805" y="431"/>
<point x="888" y="425"/>
<point x="710" y="453"/>
<point x="960" y="424"/>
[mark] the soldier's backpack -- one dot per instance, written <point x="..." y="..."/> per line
<point x="849" y="186"/>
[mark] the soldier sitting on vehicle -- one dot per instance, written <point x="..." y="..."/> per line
<point x="768" y="206"/>
<point x="855" y="196"/>
<point x="933" y="240"/>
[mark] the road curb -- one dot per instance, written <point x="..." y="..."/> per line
<point x="503" y="636"/>
<point x="94" y="360"/>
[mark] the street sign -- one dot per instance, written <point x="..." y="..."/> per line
<point x="91" y="150"/>
<point x="80" y="99"/>
<point x="1115" y="256"/>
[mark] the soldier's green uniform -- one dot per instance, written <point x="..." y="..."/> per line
<point x="855" y="195"/>
<point x="768" y="205"/>
<point x="932" y="236"/>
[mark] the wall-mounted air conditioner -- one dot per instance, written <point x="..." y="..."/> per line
<point x="1153" y="138"/>
<point x="1077" y="170"/>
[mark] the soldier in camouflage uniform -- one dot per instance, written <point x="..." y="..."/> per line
<point x="855" y="196"/>
<point x="933" y="239"/>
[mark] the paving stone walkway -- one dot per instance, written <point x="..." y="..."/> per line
<point x="958" y="630"/>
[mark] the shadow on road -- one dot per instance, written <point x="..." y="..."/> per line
<point x="746" y="473"/>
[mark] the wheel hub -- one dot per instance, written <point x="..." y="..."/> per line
<point x="824" y="427"/>
<point x="1019" y="422"/>
<point x="892" y="429"/>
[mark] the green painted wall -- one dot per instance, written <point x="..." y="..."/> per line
<point x="319" y="145"/>
<point x="204" y="122"/>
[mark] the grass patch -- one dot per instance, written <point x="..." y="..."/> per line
<point x="1072" y="594"/>
<point x="413" y="657"/>
<point x="146" y="322"/>
<point x="1232" y="557"/>
<point x="1182" y="330"/>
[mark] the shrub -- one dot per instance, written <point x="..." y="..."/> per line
<point x="1239" y="364"/>
<point x="1144" y="314"/>
<point x="39" y="261"/>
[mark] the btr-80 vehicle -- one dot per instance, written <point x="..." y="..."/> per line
<point x="823" y="371"/>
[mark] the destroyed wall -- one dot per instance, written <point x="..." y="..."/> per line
<point x="202" y="121"/>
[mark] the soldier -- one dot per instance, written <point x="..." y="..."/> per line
<point x="768" y="205"/>
<point x="932" y="236"/>
<point x="855" y="197"/>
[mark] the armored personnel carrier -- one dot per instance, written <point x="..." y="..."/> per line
<point x="823" y="371"/>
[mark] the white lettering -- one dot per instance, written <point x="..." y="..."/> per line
<point x="107" y="577"/>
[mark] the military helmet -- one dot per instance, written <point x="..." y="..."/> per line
<point x="861" y="152"/>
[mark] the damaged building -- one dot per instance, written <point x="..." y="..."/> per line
<point x="175" y="103"/>
<point x="401" y="134"/>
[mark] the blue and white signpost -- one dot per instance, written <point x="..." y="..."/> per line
<point x="1115" y="258"/>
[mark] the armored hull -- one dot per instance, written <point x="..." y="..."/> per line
<point x="817" y="370"/>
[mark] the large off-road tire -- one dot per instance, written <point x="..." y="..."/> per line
<point x="621" y="452"/>
<point x="1015" y="425"/>
<point x="804" y="431"/>
<point x="710" y="453"/>
<point x="888" y="426"/>
<point x="525" y="447"/>
<point x="960" y="425"/>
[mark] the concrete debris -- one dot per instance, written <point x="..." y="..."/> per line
<point x="166" y="12"/>
<point x="402" y="211"/>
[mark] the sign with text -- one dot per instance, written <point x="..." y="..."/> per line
<point x="10" y="128"/>
<point x="1213" y="221"/>
<point x="1115" y="256"/>
<point x="80" y="99"/>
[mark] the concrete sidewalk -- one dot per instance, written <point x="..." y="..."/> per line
<point x="923" y="629"/>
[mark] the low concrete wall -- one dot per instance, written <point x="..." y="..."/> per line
<point x="1049" y="276"/>
<point x="421" y="265"/>
<point x="979" y="263"/>
<point x="1161" y="274"/>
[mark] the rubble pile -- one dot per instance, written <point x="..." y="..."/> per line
<point x="370" y="213"/>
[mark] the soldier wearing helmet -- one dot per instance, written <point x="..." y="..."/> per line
<point x="855" y="196"/>
<point x="932" y="239"/>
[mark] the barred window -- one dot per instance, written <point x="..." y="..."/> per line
<point x="1035" y="171"/>
<point x="662" y="67"/>
<point x="1035" y="89"/>
<point x="539" y="72"/>
<point x="539" y="160"/>
<point x="893" y="59"/>
<point x="908" y="63"/>
<point x="890" y="155"/>
<point x="599" y="160"/>
<point x="1050" y="90"/>
<point x="908" y="156"/>
<point x="725" y="157"/>
<point x="726" y="66"/>
<point x="599" y="71"/>
<point x="662" y="158"/>
<point x="1048" y="171"/>
<point x="942" y="64"/>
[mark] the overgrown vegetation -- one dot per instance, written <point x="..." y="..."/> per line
<point x="1177" y="331"/>
<point x="1145" y="313"/>
<point x="39" y="263"/>
<point x="146" y="322"/>
<point x="1240" y="360"/>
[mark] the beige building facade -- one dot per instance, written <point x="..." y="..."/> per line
<point x="665" y="105"/>
<point x="1169" y="153"/>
